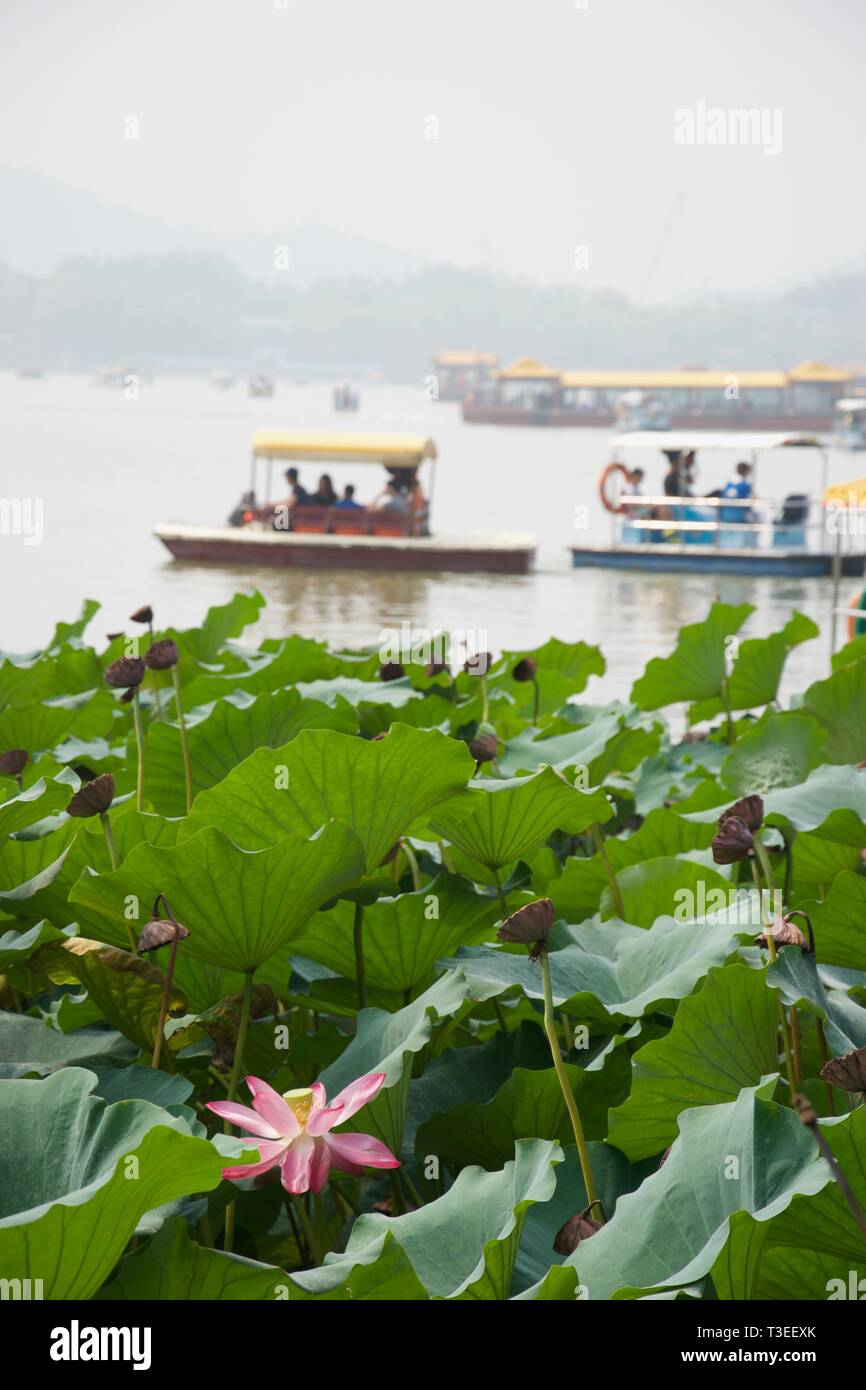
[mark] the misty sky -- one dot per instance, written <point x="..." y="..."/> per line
<point x="555" y="126"/>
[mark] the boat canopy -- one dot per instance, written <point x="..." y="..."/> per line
<point x="736" y="440"/>
<point x="851" y="405"/>
<point x="694" y="379"/>
<point x="458" y="358"/>
<point x="851" y="494"/>
<point x="820" y="372"/>
<point x="528" y="369"/>
<point x="331" y="446"/>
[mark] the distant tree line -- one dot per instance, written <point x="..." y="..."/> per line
<point x="188" y="311"/>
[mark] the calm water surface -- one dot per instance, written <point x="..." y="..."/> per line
<point x="108" y="469"/>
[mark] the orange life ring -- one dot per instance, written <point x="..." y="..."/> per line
<point x="608" y="472"/>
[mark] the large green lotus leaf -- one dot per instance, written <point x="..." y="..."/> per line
<point x="377" y="788"/>
<point x="125" y="988"/>
<point x="66" y="1219"/>
<point x="404" y="936"/>
<point x="35" y="727"/>
<point x="839" y="704"/>
<point x="297" y="659"/>
<point x="68" y="632"/>
<point x="18" y="946"/>
<point x="143" y="1083"/>
<point x="723" y="1038"/>
<point x="356" y="692"/>
<point x="30" y="1047"/>
<point x="787" y="1272"/>
<point x="612" y="972"/>
<point x="496" y="823"/>
<point x="222" y="622"/>
<point x="757" y="669"/>
<point x="780" y="752"/>
<point x="796" y="974"/>
<point x="239" y="907"/>
<point x="670" y="1232"/>
<point x="677" y="773"/>
<point x="478" y="1222"/>
<point x="811" y="1215"/>
<point x="660" y="887"/>
<point x="386" y="1042"/>
<point x="229" y="732"/>
<point x="816" y="863"/>
<point x="29" y="875"/>
<point x="613" y="1176"/>
<point x="527" y="752"/>
<point x="697" y="667"/>
<point x="575" y="660"/>
<point x="39" y="800"/>
<point x="473" y="1075"/>
<point x="839" y="923"/>
<point x="576" y="893"/>
<point x="529" y="1105"/>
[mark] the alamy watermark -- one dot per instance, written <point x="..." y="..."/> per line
<point x="760" y="127"/>
<point x="23" y="516"/>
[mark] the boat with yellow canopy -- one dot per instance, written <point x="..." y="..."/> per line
<point x="529" y="392"/>
<point x="326" y="530"/>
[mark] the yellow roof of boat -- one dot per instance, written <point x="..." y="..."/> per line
<point x="333" y="446"/>
<point x="459" y="358"/>
<point x="819" y="371"/>
<point x="529" y="369"/>
<point x="661" y="381"/>
<point x="851" y="494"/>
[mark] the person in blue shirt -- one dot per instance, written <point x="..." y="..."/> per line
<point x="347" y="501"/>
<point x="739" y="487"/>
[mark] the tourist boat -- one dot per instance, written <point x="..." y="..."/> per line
<point x="458" y="373"/>
<point x="264" y="532"/>
<point x="850" y="423"/>
<point x="260" y="387"/>
<point x="530" y="393"/>
<point x="345" y="398"/>
<point x="758" y="534"/>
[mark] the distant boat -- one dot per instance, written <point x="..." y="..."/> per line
<point x="458" y="373"/>
<point x="222" y="381"/>
<point x="345" y="397"/>
<point x="260" y="386"/>
<point x="851" y="423"/>
<point x="115" y="377"/>
<point x="394" y="535"/>
<point x="31" y="373"/>
<point x="725" y="532"/>
<point x="529" y="392"/>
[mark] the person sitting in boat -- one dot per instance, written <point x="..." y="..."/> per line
<point x="347" y="501"/>
<point x="325" y="495"/>
<point x="392" y="500"/>
<point x="633" y="487"/>
<point x="298" y="495"/>
<point x="740" y="486"/>
<point x="244" y="512"/>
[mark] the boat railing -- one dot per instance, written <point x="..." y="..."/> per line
<point x="763" y="521"/>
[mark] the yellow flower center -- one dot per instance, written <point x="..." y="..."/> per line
<point x="300" y="1103"/>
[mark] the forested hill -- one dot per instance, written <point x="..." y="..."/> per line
<point x="185" y="310"/>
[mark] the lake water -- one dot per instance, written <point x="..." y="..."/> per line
<point x="108" y="468"/>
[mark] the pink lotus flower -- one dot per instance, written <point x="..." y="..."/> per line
<point x="294" y="1131"/>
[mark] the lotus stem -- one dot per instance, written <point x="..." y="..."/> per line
<point x="166" y="990"/>
<point x="810" y="1120"/>
<point x="155" y="679"/>
<point x="500" y="892"/>
<point x="485" y="701"/>
<point x="187" y="767"/>
<point x="309" y="1234"/>
<point x="536" y="699"/>
<point x="592" y="1199"/>
<point x="246" y="1007"/>
<point x="358" y="935"/>
<point x="773" y="954"/>
<point x="139" y="739"/>
<point x="109" y="840"/>
<point x="445" y="855"/>
<point x="608" y="868"/>
<point x="730" y="727"/>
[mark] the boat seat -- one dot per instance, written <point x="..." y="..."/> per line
<point x="391" y="524"/>
<point x="351" y="521"/>
<point x="311" y="519"/>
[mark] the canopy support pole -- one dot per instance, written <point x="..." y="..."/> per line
<point x="837" y="579"/>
